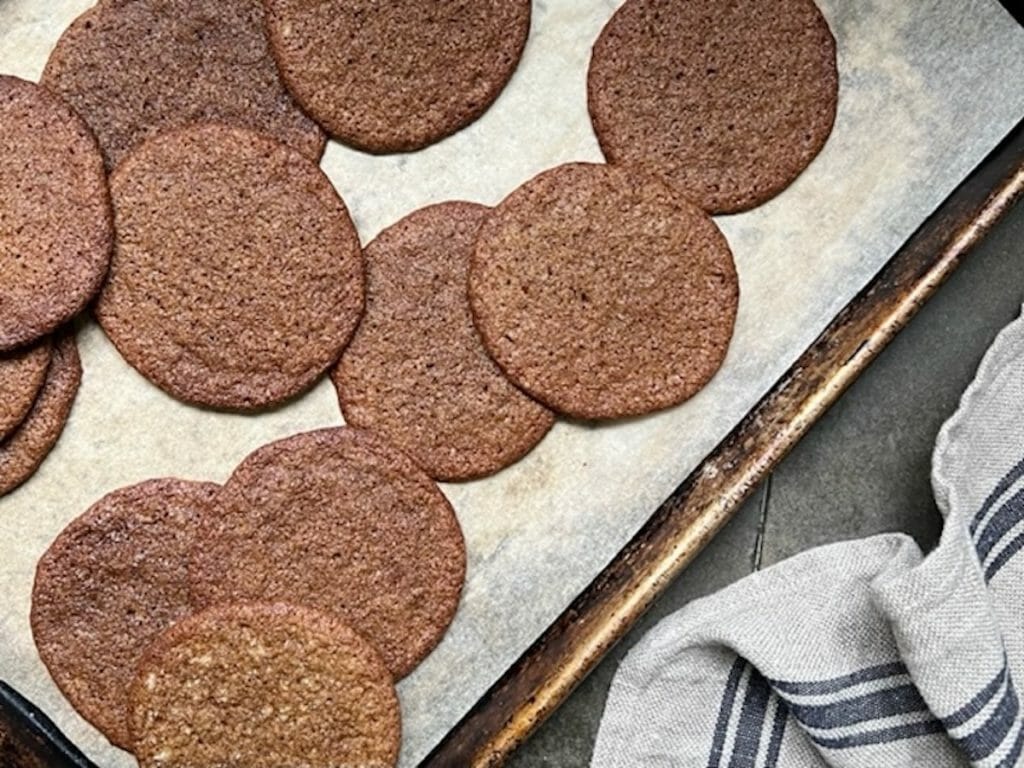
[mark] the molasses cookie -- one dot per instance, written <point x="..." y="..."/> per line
<point x="114" y="579"/>
<point x="603" y="292"/>
<point x="396" y="77"/>
<point x="135" y="68"/>
<point x="22" y="373"/>
<point x="416" y="371"/>
<point x="340" y="521"/>
<point x="237" y="276"/>
<point x="23" y="450"/>
<point x="55" y="227"/>
<point x="728" y="102"/>
<point x="263" y="686"/>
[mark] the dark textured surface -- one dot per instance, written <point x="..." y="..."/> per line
<point x="263" y="686"/>
<point x="55" y="220"/>
<point x="338" y="520"/>
<point x="602" y="292"/>
<point x="237" y="277"/>
<point x="863" y="469"/>
<point x="22" y="373"/>
<point x="115" y="578"/>
<point x="416" y="371"/>
<point x="397" y="76"/>
<point x="29" y="739"/>
<point x="134" y="68"/>
<point x="26" y="448"/>
<point x="13" y="754"/>
<point x="728" y="101"/>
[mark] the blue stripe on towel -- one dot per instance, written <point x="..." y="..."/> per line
<point x="725" y="713"/>
<point x="990" y="736"/>
<point x="778" y="730"/>
<point x="836" y="684"/>
<point x="899" y="700"/>
<point x="751" y="724"/>
<point x="1004" y="556"/>
<point x="902" y="698"/>
<point x="1010" y="761"/>
<point x="975" y="705"/>
<point x="1002" y="486"/>
<point x="1008" y="515"/>
<point x="881" y="736"/>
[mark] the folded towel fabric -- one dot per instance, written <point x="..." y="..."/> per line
<point x="860" y="654"/>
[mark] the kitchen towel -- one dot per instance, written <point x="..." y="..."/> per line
<point x="860" y="654"/>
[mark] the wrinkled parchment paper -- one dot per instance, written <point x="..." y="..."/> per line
<point x="928" y="87"/>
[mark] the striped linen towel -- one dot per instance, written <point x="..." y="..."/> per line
<point x="861" y="654"/>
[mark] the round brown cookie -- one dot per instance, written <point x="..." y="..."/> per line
<point x="415" y="371"/>
<point x="727" y="101"/>
<point x="24" y="450"/>
<point x="22" y="373"/>
<point x="135" y="68"/>
<point x="263" y="686"/>
<point x="114" y="579"/>
<point x="399" y="77"/>
<point x="55" y="222"/>
<point x="237" y="276"/>
<point x="603" y="292"/>
<point x="338" y="520"/>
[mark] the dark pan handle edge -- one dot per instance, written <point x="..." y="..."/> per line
<point x="34" y="732"/>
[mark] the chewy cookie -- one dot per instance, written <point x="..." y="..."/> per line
<point x="395" y="77"/>
<point x="337" y="520"/>
<point x="263" y="686"/>
<point x="603" y="292"/>
<point x="22" y="373"/>
<point x="55" y="227"/>
<point x="415" y="371"/>
<point x="729" y="102"/>
<point x="114" y="579"/>
<point x="237" y="276"/>
<point x="134" y="68"/>
<point x="24" y="450"/>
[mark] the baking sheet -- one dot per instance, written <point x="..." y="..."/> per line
<point x="927" y="89"/>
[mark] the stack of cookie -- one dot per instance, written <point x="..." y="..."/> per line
<point x="55" y="239"/>
<point x="266" y="619"/>
<point x="264" y="622"/>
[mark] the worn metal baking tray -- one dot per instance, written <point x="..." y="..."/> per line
<point x="879" y="41"/>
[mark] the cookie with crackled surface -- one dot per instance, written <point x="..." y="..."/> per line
<point x="728" y="101"/>
<point x="416" y="371"/>
<point x="22" y="373"/>
<point x="237" y="276"/>
<point x="135" y="68"/>
<point x="55" y="219"/>
<point x="263" y="686"/>
<point x="111" y="582"/>
<point x="337" y="520"/>
<point x="24" y="450"/>
<point x="396" y="77"/>
<point x="603" y="292"/>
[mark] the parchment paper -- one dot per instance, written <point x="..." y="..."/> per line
<point x="928" y="87"/>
